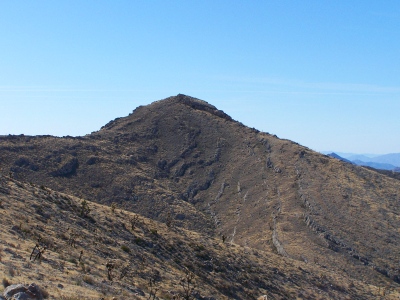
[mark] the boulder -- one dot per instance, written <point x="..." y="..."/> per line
<point x="23" y="292"/>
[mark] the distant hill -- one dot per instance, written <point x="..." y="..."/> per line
<point x="334" y="155"/>
<point x="351" y="156"/>
<point x="384" y="162"/>
<point x="375" y="165"/>
<point x="361" y="157"/>
<point x="392" y="158"/>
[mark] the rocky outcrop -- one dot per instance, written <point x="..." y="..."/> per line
<point x="202" y="105"/>
<point x="278" y="245"/>
<point x="23" y="292"/>
<point x="68" y="168"/>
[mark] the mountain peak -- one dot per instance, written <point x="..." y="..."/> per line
<point x="178" y="105"/>
<point x="202" y="105"/>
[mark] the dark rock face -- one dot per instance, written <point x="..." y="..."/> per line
<point x="202" y="105"/>
<point x="24" y="162"/>
<point x="68" y="168"/>
<point x="23" y="292"/>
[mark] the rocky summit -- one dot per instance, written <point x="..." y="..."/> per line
<point x="241" y="213"/>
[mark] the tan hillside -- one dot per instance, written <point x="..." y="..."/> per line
<point x="80" y="244"/>
<point x="183" y="158"/>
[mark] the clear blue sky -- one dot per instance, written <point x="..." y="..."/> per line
<point x="325" y="74"/>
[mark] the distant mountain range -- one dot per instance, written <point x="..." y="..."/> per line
<point x="389" y="162"/>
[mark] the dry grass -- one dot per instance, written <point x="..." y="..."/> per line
<point x="222" y="270"/>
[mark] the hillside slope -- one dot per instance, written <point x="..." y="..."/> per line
<point x="183" y="157"/>
<point x="147" y="258"/>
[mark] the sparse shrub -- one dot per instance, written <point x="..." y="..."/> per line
<point x="84" y="209"/>
<point x="142" y="261"/>
<point x="188" y="285"/>
<point x="72" y="260"/>
<point x="110" y="267"/>
<point x="88" y="269"/>
<point x="154" y="231"/>
<point x="139" y="241"/>
<point x="203" y="255"/>
<point x="113" y="207"/>
<point x="125" y="249"/>
<point x="11" y="271"/>
<point x="88" y="279"/>
<point x="37" y="252"/>
<point x="5" y="282"/>
<point x="170" y="221"/>
<point x="125" y="270"/>
<point x="153" y="288"/>
<point x="223" y="237"/>
<point x="134" y="221"/>
<point x="80" y="255"/>
<point x="72" y="239"/>
<point x="82" y="266"/>
<point x="44" y="293"/>
<point x="166" y="295"/>
<point x="61" y="265"/>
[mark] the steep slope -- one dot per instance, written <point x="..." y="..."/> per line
<point x="183" y="157"/>
<point x="100" y="253"/>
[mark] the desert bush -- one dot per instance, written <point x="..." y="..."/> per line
<point x="134" y="221"/>
<point x="88" y="279"/>
<point x="45" y="293"/>
<point x="170" y="221"/>
<point x="11" y="271"/>
<point x="5" y="282"/>
<point x="72" y="260"/>
<point x="188" y="285"/>
<point x="113" y="207"/>
<point x="84" y="209"/>
<point x="139" y="241"/>
<point x="110" y="267"/>
<point x="125" y="249"/>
